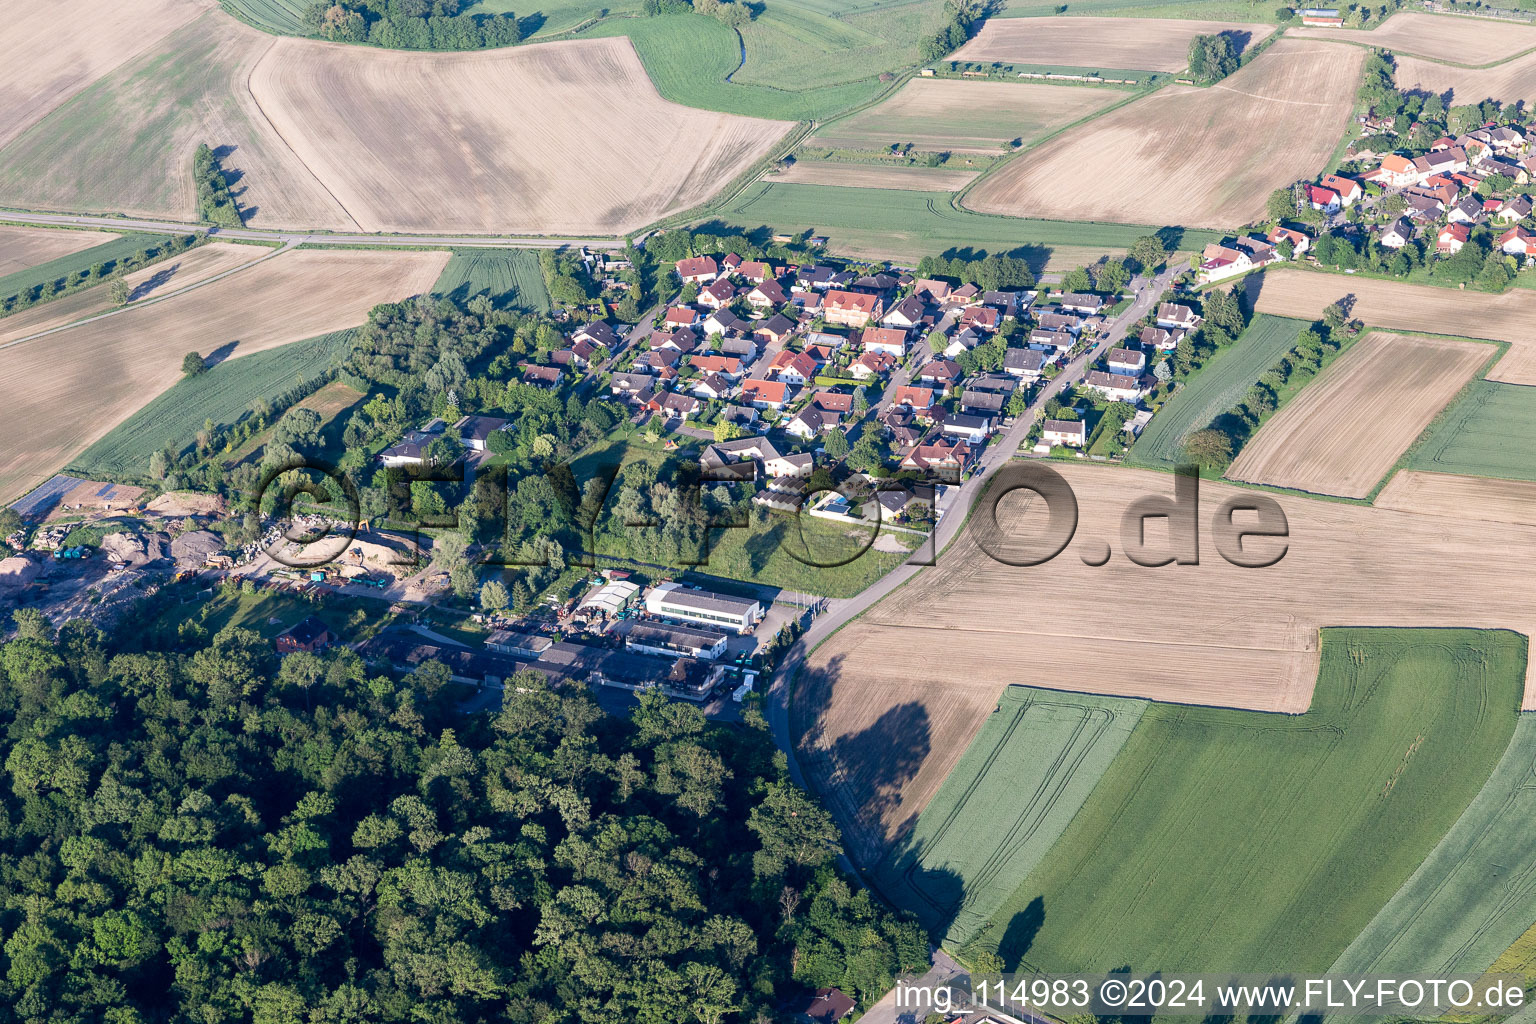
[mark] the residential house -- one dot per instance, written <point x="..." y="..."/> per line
<point x="1073" y="433"/>
<point x="659" y="362"/>
<point x="541" y="376"/>
<point x="742" y="459"/>
<point x="680" y="316"/>
<point x="1516" y="209"/>
<point x="1010" y="304"/>
<point x="698" y="270"/>
<point x="813" y="279"/>
<point x="944" y="372"/>
<point x="1300" y="243"/>
<point x="821" y="339"/>
<point x="768" y="295"/>
<point x="982" y="403"/>
<point x="754" y="272"/>
<point x="712" y="387"/>
<point x="936" y="291"/>
<point x="744" y="349"/>
<point x="1024" y="363"/>
<point x="945" y="461"/>
<point x="877" y="284"/>
<point x="1347" y="189"/>
<point x="1172" y="314"/>
<point x="1395" y="172"/>
<point x="473" y="432"/>
<point x="1058" y="341"/>
<point x="1160" y="340"/>
<point x="723" y="320"/>
<point x="1075" y="302"/>
<point x="851" y="309"/>
<point x="1127" y="362"/>
<point x="970" y="427"/>
<point x="906" y="314"/>
<point x="764" y="394"/>
<point x="813" y="421"/>
<point x="1397" y="234"/>
<point x="1219" y="261"/>
<point x="963" y="341"/>
<point x="1422" y="206"/>
<point x="965" y="295"/>
<point x="1114" y="386"/>
<point x="678" y="406"/>
<point x="983" y="318"/>
<point x="310" y="634"/>
<point x="1059" y="322"/>
<point x="725" y="366"/>
<point x="833" y="401"/>
<point x="743" y="416"/>
<point x="1325" y="199"/>
<point x="410" y="451"/>
<point x="890" y="340"/>
<point x="627" y="385"/>
<point x="582" y="353"/>
<point x="730" y="263"/>
<point x="791" y="466"/>
<point x="717" y="294"/>
<point x="1468" y="211"/>
<point x="1518" y="241"/>
<point x="913" y="397"/>
<point x="1451" y="238"/>
<point x="872" y="364"/>
<point x="775" y="329"/>
<point x="597" y="334"/>
<point x="795" y="367"/>
<point x="901" y="423"/>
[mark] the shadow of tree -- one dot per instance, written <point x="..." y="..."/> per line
<point x="1020" y="934"/>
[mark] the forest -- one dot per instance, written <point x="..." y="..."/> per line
<point x="216" y="835"/>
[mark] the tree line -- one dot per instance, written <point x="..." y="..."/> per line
<point x="210" y="833"/>
<point x="411" y="25"/>
<point x="215" y="203"/>
<point x="106" y="271"/>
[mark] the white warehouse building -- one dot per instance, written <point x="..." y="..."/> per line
<point x="673" y="601"/>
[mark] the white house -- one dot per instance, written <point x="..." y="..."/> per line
<point x="1067" y="432"/>
<point x="1114" y="386"/>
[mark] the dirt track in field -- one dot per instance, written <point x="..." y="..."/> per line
<point x="1141" y="44"/>
<point x="1465" y="498"/>
<point x="888" y="704"/>
<point x="51" y="49"/>
<point x="1418" y="308"/>
<point x="60" y="393"/>
<point x="911" y="179"/>
<point x="1186" y="155"/>
<point x="1442" y="37"/>
<point x="1345" y="430"/>
<point x="557" y="137"/>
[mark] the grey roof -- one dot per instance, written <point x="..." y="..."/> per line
<point x="664" y="634"/>
<point x="708" y="601"/>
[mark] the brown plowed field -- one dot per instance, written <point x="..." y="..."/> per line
<point x="1510" y="82"/>
<point x="1474" y="498"/>
<point x="1186" y="155"/>
<point x="21" y="248"/>
<point x="1141" y="44"/>
<point x="1345" y="431"/>
<point x="1419" y="308"/>
<point x="1464" y="40"/>
<point x="60" y="393"/>
<point x="558" y="137"/>
<point x="887" y="705"/>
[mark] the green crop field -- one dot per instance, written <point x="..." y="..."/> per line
<point x="73" y="263"/>
<point x="1225" y="840"/>
<point x="538" y="21"/>
<point x="510" y="278"/>
<point x="1200" y="10"/>
<point x="797" y="46"/>
<point x="1213" y="389"/>
<point x="1483" y="434"/>
<point x="283" y="17"/>
<point x="223" y="394"/>
<point x="1007" y="800"/>
<point x="905" y="226"/>
<point x="1475" y="894"/>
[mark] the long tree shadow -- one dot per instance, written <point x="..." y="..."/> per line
<point x="1020" y="934"/>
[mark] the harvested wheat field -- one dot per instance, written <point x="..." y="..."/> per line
<point x="1346" y="430"/>
<point x="1510" y="81"/>
<point x="552" y="138"/>
<point x="1132" y="43"/>
<point x="907" y="686"/>
<point x="1423" y="309"/>
<point x="52" y="49"/>
<point x="1461" y="497"/>
<point x="1185" y="155"/>
<point x="910" y="179"/>
<point x="1464" y="40"/>
<point x="961" y="116"/>
<point x="164" y="277"/>
<point x="60" y="393"/>
<point x="21" y="248"/>
<point x="126" y="144"/>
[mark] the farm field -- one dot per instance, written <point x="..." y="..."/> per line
<point x="483" y="142"/>
<point x="125" y="144"/>
<point x="1460" y="497"/>
<point x="905" y="226"/>
<point x="1187" y="155"/>
<point x="1346" y="430"/>
<point x="1127" y="43"/>
<point x="688" y="59"/>
<point x="1226" y="840"/>
<point x="1010" y="796"/>
<point x="223" y="394"/>
<point x="1226" y="635"/>
<point x="1511" y="81"/>
<point x="107" y="251"/>
<point x="1459" y="39"/>
<point x="1478" y="435"/>
<point x="328" y="403"/>
<point x="945" y="114"/>
<point x="190" y="267"/>
<point x="1471" y="899"/>
<point x="1414" y="308"/>
<point x="63" y="394"/>
<point x="22" y="248"/>
<point x="54" y="48"/>
<point x="852" y="175"/>
<point x="1216" y="387"/>
<point x="280" y="17"/>
<point x="807" y="45"/>
<point x="509" y="278"/>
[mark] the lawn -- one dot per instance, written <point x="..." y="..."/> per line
<point x="223" y="394"/>
<point x="107" y="253"/>
<point x="1483" y="434"/>
<point x="905" y="226"/>
<point x="1224" y="840"/>
<point x="1008" y="799"/>
<point x="510" y="278"/>
<point x="1213" y="389"/>
<point x="1474" y="897"/>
